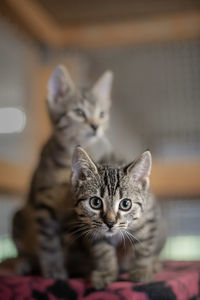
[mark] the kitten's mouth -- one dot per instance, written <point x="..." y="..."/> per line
<point x="110" y="232"/>
<point x="94" y="134"/>
<point x="91" y="135"/>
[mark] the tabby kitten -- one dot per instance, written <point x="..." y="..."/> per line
<point x="118" y="218"/>
<point x="78" y="117"/>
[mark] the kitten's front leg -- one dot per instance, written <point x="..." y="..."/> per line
<point x="49" y="244"/>
<point x="142" y="270"/>
<point x="106" y="266"/>
<point x="142" y="264"/>
<point x="143" y="259"/>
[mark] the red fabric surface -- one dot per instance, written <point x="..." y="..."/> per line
<point x="177" y="280"/>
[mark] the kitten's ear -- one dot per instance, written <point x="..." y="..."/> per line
<point x="59" y="85"/>
<point x="140" y="169"/>
<point x="82" y="166"/>
<point x="102" y="88"/>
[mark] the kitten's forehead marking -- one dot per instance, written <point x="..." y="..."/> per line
<point x="89" y="104"/>
<point x="86" y="97"/>
<point x="111" y="184"/>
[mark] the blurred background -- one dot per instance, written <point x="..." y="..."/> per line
<point x="153" y="48"/>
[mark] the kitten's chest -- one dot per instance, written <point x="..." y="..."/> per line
<point x="115" y="240"/>
<point x="123" y="248"/>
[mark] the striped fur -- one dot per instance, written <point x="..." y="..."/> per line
<point x="105" y="241"/>
<point x="79" y="117"/>
<point x="119" y="240"/>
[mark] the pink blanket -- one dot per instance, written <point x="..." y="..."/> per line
<point x="177" y="280"/>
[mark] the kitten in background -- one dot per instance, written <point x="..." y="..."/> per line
<point x="78" y="117"/>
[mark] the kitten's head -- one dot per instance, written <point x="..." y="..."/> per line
<point x="79" y="113"/>
<point x="109" y="200"/>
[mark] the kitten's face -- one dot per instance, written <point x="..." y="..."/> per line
<point x="86" y="115"/>
<point x="79" y="113"/>
<point x="109" y="200"/>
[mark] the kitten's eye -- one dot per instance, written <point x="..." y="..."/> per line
<point x="80" y="112"/>
<point x="101" y="115"/>
<point x="125" y="204"/>
<point x="96" y="203"/>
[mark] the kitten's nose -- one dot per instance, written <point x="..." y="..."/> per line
<point x="110" y="224"/>
<point x="94" y="127"/>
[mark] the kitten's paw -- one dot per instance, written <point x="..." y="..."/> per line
<point x="56" y="273"/>
<point x="101" y="279"/>
<point x="157" y="266"/>
<point x="141" y="275"/>
<point x="23" y="267"/>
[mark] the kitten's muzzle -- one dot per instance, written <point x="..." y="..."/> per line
<point x="110" y="224"/>
<point x="94" y="127"/>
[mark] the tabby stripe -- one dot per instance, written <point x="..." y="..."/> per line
<point x="47" y="187"/>
<point x="48" y="249"/>
<point x="109" y="184"/>
<point x="142" y="254"/>
<point x="79" y="200"/>
<point x="66" y="228"/>
<point x="118" y="181"/>
<point x="106" y="181"/>
<point x="57" y="162"/>
<point x="140" y="204"/>
<point x="60" y="128"/>
<point x="142" y="265"/>
<point x="57" y="121"/>
<point x="102" y="191"/>
<point x="81" y="215"/>
<point x="46" y="207"/>
<point x="101" y="253"/>
<point x="44" y="232"/>
<point x="120" y="193"/>
<point x="59" y="147"/>
<point x="153" y="220"/>
<point x="112" y="181"/>
<point x="40" y="221"/>
<point x="140" y="228"/>
<point x="42" y="188"/>
<point x="148" y="221"/>
<point x="100" y="240"/>
<point x="149" y="238"/>
<point x="153" y="229"/>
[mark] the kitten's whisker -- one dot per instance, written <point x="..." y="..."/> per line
<point x="96" y="222"/>
<point x="129" y="239"/>
<point x="91" y="235"/>
<point x="75" y="230"/>
<point x="78" y="231"/>
<point x="80" y="225"/>
<point x="123" y="238"/>
<point x="88" y="235"/>
<point x="77" y="223"/>
<point x="84" y="232"/>
<point x="134" y="238"/>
